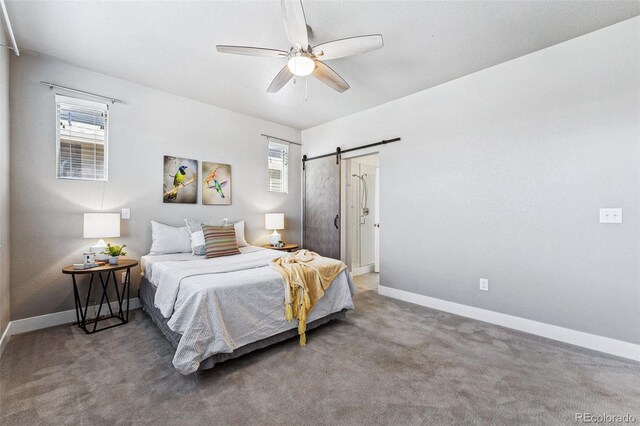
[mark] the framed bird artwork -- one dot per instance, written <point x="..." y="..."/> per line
<point x="216" y="184"/>
<point x="180" y="180"/>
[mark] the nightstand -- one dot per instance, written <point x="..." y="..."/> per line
<point x="287" y="247"/>
<point x="120" y="315"/>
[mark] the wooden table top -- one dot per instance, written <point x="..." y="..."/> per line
<point x="122" y="264"/>
<point x="286" y="247"/>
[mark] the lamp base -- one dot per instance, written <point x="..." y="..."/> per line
<point x="274" y="238"/>
<point x="98" y="248"/>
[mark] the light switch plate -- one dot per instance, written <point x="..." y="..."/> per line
<point x="610" y="215"/>
<point x="126" y="213"/>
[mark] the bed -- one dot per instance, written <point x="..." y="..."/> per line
<point x="212" y="310"/>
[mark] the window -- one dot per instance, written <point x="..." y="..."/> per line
<point x="82" y="129"/>
<point x="278" y="167"/>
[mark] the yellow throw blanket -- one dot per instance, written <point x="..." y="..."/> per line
<point x="306" y="276"/>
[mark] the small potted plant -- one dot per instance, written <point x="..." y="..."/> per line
<point x="114" y="252"/>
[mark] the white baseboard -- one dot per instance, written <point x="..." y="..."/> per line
<point x="566" y="335"/>
<point x="5" y="338"/>
<point x="362" y="270"/>
<point x="49" y="320"/>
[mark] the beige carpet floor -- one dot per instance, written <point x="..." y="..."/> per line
<point x="389" y="362"/>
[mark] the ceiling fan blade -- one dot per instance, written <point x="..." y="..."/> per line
<point x="325" y="74"/>
<point x="295" y="23"/>
<point x="251" y="51"/>
<point x="348" y="46"/>
<point x="281" y="79"/>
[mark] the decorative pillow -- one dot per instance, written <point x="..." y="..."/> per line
<point x="220" y="241"/>
<point x="197" y="236"/>
<point x="166" y="239"/>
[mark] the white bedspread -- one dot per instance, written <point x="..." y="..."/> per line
<point x="221" y="304"/>
<point x="147" y="262"/>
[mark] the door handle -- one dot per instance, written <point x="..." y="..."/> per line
<point x="335" y="221"/>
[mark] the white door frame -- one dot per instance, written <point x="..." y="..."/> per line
<point x="345" y="171"/>
<point x="376" y="221"/>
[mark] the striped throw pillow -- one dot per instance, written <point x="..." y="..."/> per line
<point x="219" y="241"/>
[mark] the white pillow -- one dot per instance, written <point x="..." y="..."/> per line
<point x="196" y="236"/>
<point x="239" y="227"/>
<point x="166" y="239"/>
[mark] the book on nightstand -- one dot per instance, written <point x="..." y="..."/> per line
<point x="80" y="266"/>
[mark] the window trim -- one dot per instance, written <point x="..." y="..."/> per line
<point x="87" y="104"/>
<point x="285" y="182"/>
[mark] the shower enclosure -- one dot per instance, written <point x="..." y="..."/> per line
<point x="361" y="211"/>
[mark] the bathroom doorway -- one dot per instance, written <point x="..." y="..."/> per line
<point x="361" y="231"/>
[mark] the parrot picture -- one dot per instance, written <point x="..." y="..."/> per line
<point x="179" y="177"/>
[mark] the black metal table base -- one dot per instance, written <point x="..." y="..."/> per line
<point x="120" y="314"/>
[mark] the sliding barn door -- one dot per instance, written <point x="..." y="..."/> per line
<point x="322" y="206"/>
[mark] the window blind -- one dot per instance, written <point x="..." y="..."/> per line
<point x="82" y="134"/>
<point x="278" y="165"/>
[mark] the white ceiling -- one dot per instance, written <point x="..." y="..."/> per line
<point x="171" y="45"/>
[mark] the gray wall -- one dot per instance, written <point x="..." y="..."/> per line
<point x="47" y="213"/>
<point x="5" y="250"/>
<point x="500" y="175"/>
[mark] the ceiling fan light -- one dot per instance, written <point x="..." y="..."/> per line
<point x="301" y="65"/>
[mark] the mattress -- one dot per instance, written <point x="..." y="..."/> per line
<point x="218" y="306"/>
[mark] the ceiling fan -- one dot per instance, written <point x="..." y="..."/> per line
<point x="302" y="59"/>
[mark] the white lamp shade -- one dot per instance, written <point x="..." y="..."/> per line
<point x="101" y="225"/>
<point x="274" y="221"/>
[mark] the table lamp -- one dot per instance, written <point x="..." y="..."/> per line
<point x="101" y="225"/>
<point x="274" y="221"/>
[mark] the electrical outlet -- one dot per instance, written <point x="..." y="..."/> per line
<point x="94" y="309"/>
<point x="484" y="284"/>
<point x="611" y="215"/>
<point x="124" y="276"/>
